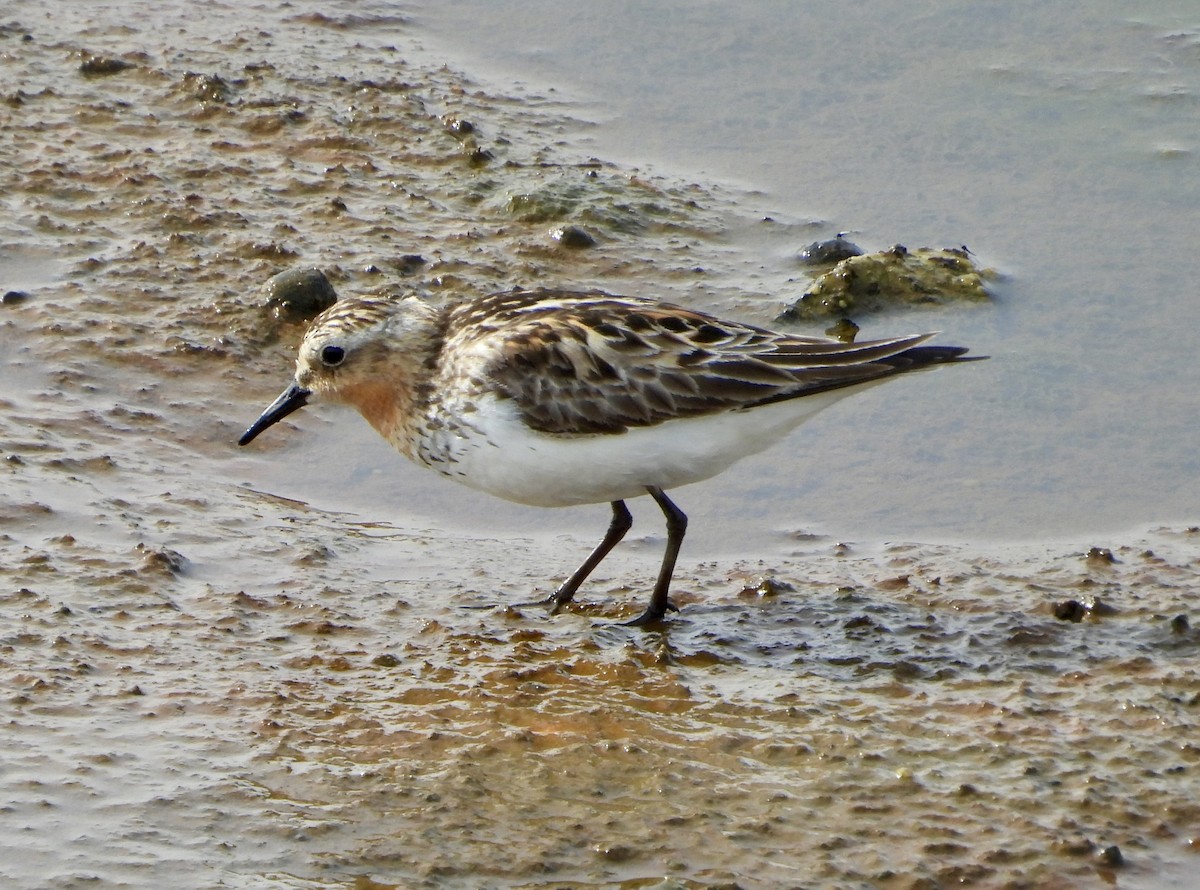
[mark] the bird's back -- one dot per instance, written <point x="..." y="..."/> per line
<point x="584" y="362"/>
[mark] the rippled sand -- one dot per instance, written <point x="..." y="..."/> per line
<point x="209" y="685"/>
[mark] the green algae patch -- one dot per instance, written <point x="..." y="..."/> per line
<point x="897" y="277"/>
<point x="588" y="195"/>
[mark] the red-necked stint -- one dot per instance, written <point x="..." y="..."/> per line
<point x="553" y="398"/>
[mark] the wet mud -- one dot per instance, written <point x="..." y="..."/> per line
<point x="210" y="685"/>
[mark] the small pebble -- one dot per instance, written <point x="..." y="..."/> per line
<point x="575" y="237"/>
<point x="766" y="587"/>
<point x="845" y="330"/>
<point x="1070" y="610"/>
<point x="480" y="156"/>
<point x="613" y="852"/>
<point x="458" y="126"/>
<point x="207" y="87"/>
<point x="102" y="66"/>
<point x="826" y="253"/>
<point x="1097" y="607"/>
<point x="298" y="294"/>
<point x="410" y="263"/>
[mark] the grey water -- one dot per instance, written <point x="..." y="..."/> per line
<point x="1060" y="147"/>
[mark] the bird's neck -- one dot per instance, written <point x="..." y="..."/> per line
<point x="395" y="400"/>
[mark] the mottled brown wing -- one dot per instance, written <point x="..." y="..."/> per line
<point x="595" y="363"/>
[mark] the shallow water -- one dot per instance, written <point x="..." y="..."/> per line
<point x="1060" y="147"/>
<point x="257" y="668"/>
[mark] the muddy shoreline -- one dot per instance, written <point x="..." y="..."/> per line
<point x="218" y="686"/>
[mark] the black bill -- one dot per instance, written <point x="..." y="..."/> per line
<point x="291" y="399"/>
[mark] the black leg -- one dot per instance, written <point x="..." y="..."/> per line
<point x="676" y="528"/>
<point x="621" y="523"/>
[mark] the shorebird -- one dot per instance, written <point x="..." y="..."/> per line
<point x="554" y="398"/>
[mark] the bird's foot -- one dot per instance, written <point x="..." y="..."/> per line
<point x="552" y="603"/>
<point x="651" y="616"/>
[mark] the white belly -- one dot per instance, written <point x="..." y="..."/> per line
<point x="507" y="459"/>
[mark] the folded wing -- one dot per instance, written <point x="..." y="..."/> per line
<point x="593" y="363"/>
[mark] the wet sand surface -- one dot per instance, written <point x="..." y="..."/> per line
<point x="211" y="685"/>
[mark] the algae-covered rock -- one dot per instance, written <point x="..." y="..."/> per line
<point x="891" y="278"/>
<point x="552" y="201"/>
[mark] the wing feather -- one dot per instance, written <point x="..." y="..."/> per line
<point x="576" y="363"/>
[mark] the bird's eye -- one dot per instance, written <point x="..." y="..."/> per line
<point x="332" y="356"/>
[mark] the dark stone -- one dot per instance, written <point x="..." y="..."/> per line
<point x="298" y="294"/>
